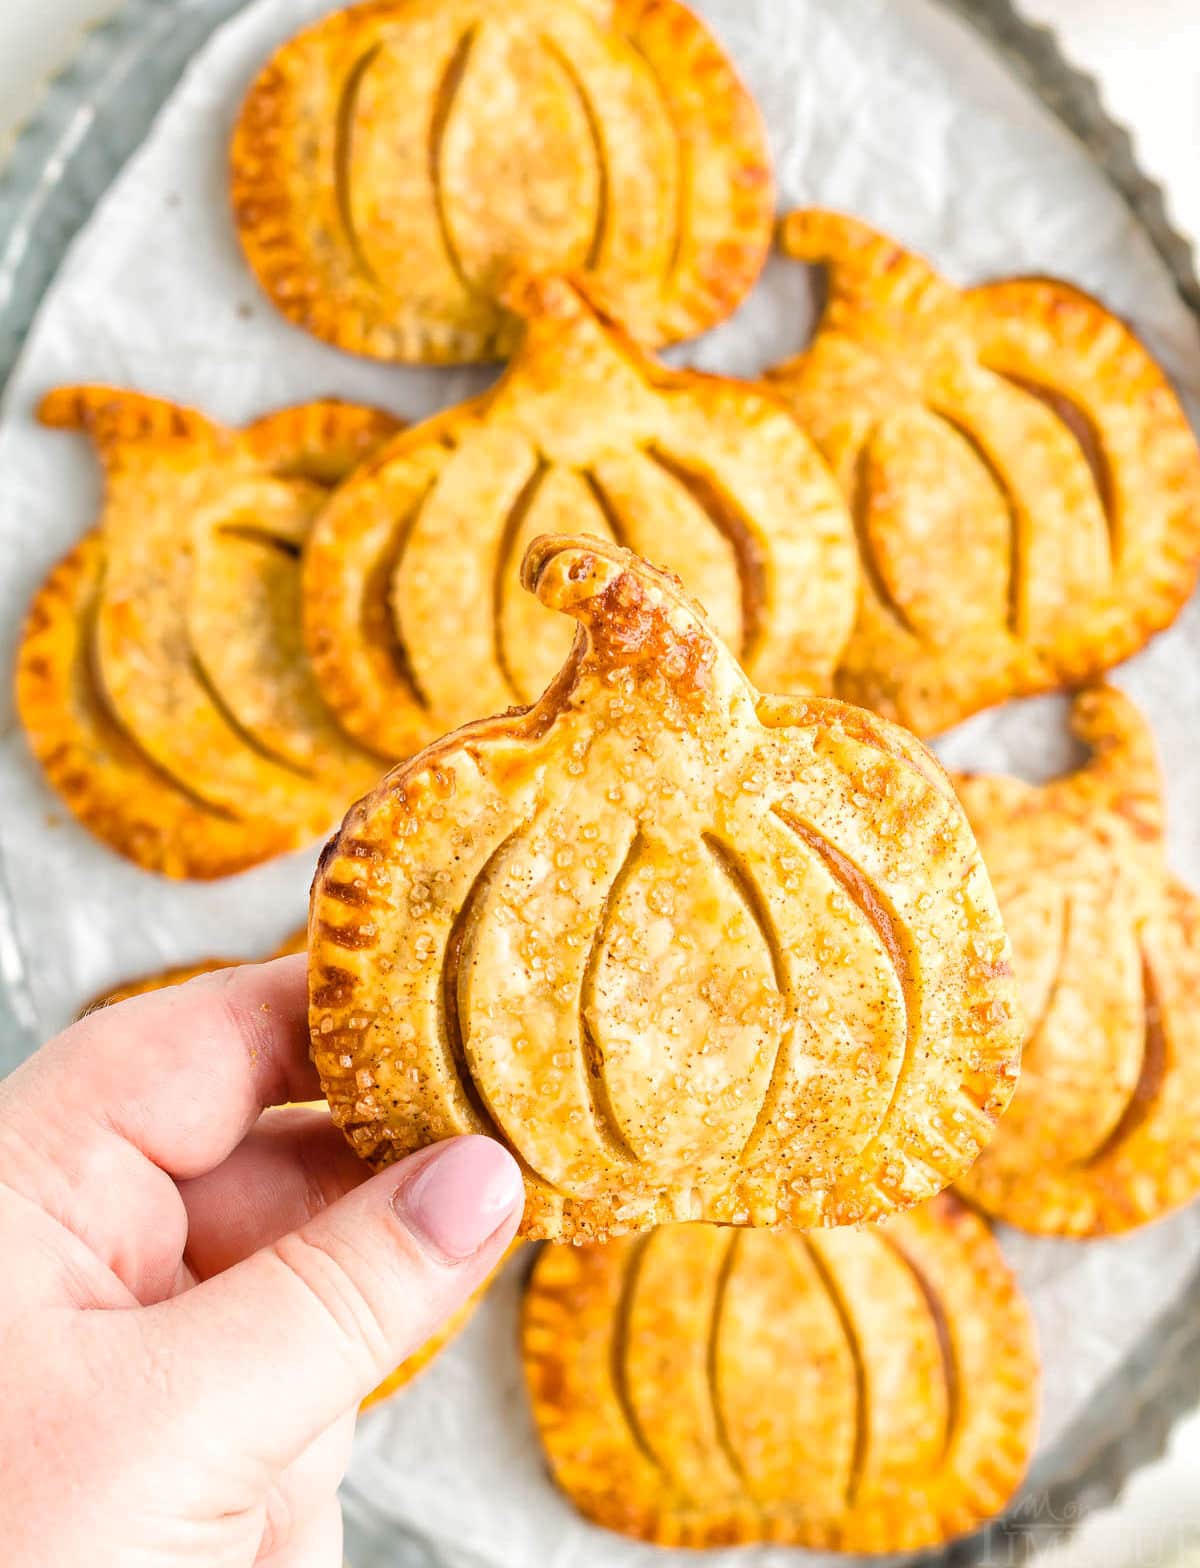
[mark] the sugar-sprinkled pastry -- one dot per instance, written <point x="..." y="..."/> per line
<point x="162" y="679"/>
<point x="397" y="162"/>
<point x="690" y="951"/>
<point x="415" y="617"/>
<point x="1103" y="1133"/>
<point x="867" y="1390"/>
<point x="1024" y="483"/>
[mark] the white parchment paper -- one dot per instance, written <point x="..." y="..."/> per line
<point x="888" y="108"/>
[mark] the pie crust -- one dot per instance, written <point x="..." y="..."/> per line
<point x="1015" y="440"/>
<point x="161" y="678"/>
<point x="689" y="951"/>
<point x="1103" y="1133"/>
<point x="415" y="618"/>
<point x="395" y="165"/>
<point x="867" y="1390"/>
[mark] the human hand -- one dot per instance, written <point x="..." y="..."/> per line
<point x="196" y="1295"/>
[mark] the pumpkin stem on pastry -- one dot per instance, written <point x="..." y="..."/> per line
<point x="868" y="275"/>
<point x="635" y="618"/>
<point x="1122" y="774"/>
<point x="114" y="418"/>
<point x="413" y="613"/>
<point x="556" y="297"/>
<point x="161" y="679"/>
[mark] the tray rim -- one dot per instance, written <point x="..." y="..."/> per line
<point x="1129" y="1420"/>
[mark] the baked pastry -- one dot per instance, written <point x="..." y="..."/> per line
<point x="161" y="677"/>
<point x="1104" y="1131"/>
<point x="689" y="951"/>
<point x="397" y="161"/>
<point x="415" y="618"/>
<point x="95" y="766"/>
<point x="865" y="1390"/>
<point x="1015" y="441"/>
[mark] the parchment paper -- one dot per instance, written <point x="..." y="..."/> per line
<point x="888" y="108"/>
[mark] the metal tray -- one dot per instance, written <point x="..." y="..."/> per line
<point x="91" y="118"/>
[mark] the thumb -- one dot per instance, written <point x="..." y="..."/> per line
<point x="271" y="1352"/>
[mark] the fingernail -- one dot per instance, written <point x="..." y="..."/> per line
<point x="458" y="1196"/>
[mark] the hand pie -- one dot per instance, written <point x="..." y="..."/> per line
<point x="1104" y="1131"/>
<point x="415" y="618"/>
<point x="858" y="1390"/>
<point x="96" y="767"/>
<point x="689" y="951"/>
<point x="162" y="678"/>
<point x="396" y="163"/>
<point x="1025" y="485"/>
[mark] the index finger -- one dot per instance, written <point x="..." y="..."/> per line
<point x="181" y="1073"/>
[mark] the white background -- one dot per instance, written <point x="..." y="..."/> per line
<point x="1146" y="54"/>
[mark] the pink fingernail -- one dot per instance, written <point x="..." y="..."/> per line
<point x="458" y="1195"/>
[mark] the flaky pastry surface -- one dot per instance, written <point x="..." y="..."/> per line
<point x="867" y="1390"/>
<point x="414" y="614"/>
<point x="1024" y="483"/>
<point x="1103" y="1133"/>
<point x="106" y="780"/>
<point x="397" y="162"/>
<point x="162" y="678"/>
<point x="689" y="951"/>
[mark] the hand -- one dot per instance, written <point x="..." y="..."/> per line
<point x="196" y="1294"/>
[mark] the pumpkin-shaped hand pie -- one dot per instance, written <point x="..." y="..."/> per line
<point x="415" y="617"/>
<point x="689" y="951"/>
<point x="865" y="1390"/>
<point x="1104" y="1131"/>
<point x="1024" y="483"/>
<point x="396" y="162"/>
<point x="105" y="779"/>
<point x="162" y="678"/>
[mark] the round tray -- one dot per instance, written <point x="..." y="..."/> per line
<point x="91" y="118"/>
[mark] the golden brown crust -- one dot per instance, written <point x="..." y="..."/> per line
<point x="105" y="780"/>
<point x="414" y="617"/>
<point x="860" y="1391"/>
<point x="690" y="953"/>
<point x="163" y="680"/>
<point x="1103" y="1133"/>
<point x="1016" y="439"/>
<point x="612" y="137"/>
